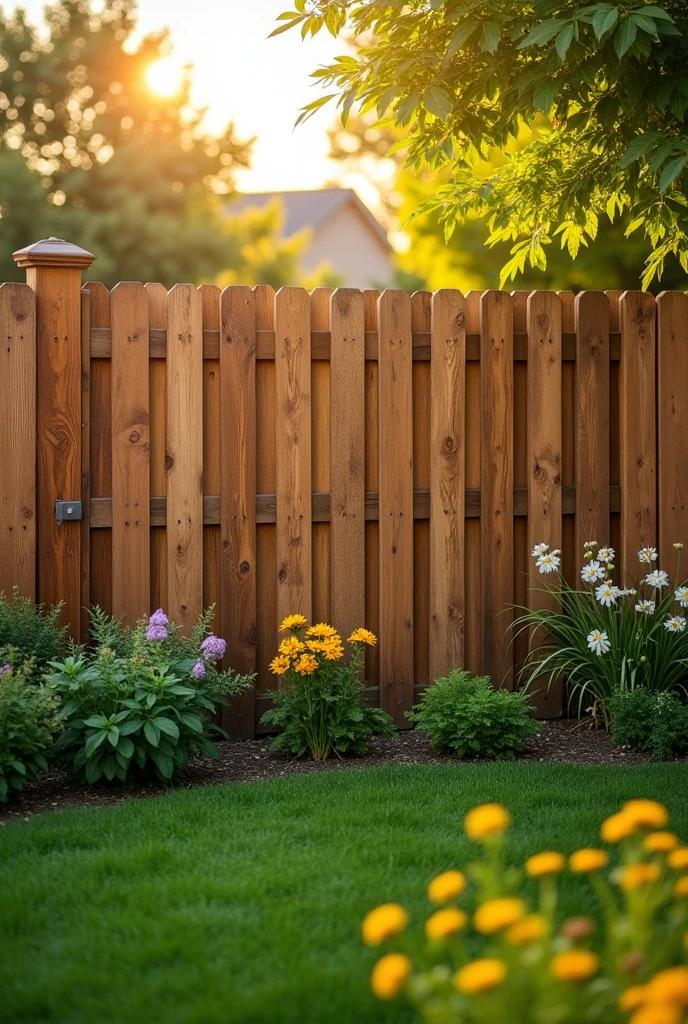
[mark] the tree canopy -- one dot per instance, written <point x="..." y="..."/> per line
<point x="464" y="78"/>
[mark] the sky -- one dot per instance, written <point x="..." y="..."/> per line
<point x="258" y="83"/>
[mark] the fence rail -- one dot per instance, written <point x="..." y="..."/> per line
<point x="365" y="458"/>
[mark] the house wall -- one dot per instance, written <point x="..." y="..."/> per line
<point x="352" y="249"/>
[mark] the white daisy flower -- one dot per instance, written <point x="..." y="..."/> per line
<point x="606" y="554"/>
<point x="657" y="579"/>
<point x="682" y="596"/>
<point x="646" y="607"/>
<point x="548" y="562"/>
<point x="540" y="549"/>
<point x="647" y="555"/>
<point x="675" y="624"/>
<point x="593" y="572"/>
<point x="607" y="594"/>
<point x="627" y="592"/>
<point x="598" y="642"/>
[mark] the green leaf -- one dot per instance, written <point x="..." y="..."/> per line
<point x="125" y="747"/>
<point x="490" y="36"/>
<point x="461" y="35"/>
<point x="94" y="741"/>
<point x="167" y="726"/>
<point x="545" y="95"/>
<point x="658" y="13"/>
<point x="96" y="722"/>
<point x="604" y="20"/>
<point x="151" y="734"/>
<point x="645" y="23"/>
<point x="542" y="33"/>
<point x="625" y="36"/>
<point x="191" y="721"/>
<point x="163" y="762"/>
<point x="93" y="770"/>
<point x="672" y="171"/>
<point x="564" y="40"/>
<point x="437" y="102"/>
<point x="113" y="735"/>
<point x="130" y="727"/>
<point x="639" y="146"/>
<point x="404" y="112"/>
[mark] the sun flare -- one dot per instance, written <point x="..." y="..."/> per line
<point x="164" y="76"/>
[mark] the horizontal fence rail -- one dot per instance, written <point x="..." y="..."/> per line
<point x="366" y="458"/>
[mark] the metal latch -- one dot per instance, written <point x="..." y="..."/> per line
<point x="67" y="510"/>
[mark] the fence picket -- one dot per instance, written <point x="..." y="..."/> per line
<point x="238" y="495"/>
<point x="396" y="503"/>
<point x="157" y="304"/>
<point x="184" y="428"/>
<point x="347" y="427"/>
<point x="130" y="453"/>
<point x="320" y="456"/>
<point x="293" y="399"/>
<point x="592" y="420"/>
<point x="672" y="420"/>
<point x="100" y="456"/>
<point x="447" y="482"/>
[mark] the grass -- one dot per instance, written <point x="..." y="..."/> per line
<point x="244" y="903"/>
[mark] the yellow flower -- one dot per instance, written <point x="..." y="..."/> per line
<point x="446" y="887"/>
<point x="322" y="629"/>
<point x="382" y="923"/>
<point x="669" y="986"/>
<point x="681" y="887"/>
<point x="486" y="820"/>
<point x="574" y="965"/>
<point x="445" y="922"/>
<point x="480" y="976"/>
<point x="306" y="665"/>
<point x="639" y="874"/>
<point x="290" y="646"/>
<point x="619" y="826"/>
<point x="544" y="864"/>
<point x="528" y="929"/>
<point x="633" y="997"/>
<point x="647" y="813"/>
<point x="292" y="622"/>
<point x="494" y="915"/>
<point x="660" y="842"/>
<point x="679" y="858"/>
<point x="363" y="636"/>
<point x="657" y="1013"/>
<point x="588" y="859"/>
<point x="389" y="975"/>
<point x="279" y="665"/>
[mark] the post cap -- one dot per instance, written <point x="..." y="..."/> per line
<point x="53" y="252"/>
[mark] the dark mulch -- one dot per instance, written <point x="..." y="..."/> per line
<point x="562" y="741"/>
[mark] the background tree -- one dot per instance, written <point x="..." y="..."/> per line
<point x="89" y="152"/>
<point x="464" y="78"/>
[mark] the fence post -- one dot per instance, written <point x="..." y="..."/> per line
<point x="53" y="271"/>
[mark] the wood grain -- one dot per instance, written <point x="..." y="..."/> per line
<point x="672" y="420"/>
<point x="638" y="435"/>
<point x="238" y="496"/>
<point x="130" y="453"/>
<point x="100" y="450"/>
<point x="157" y="372"/>
<point x="85" y="460"/>
<point x="18" y="433"/>
<point x="447" y="482"/>
<point x="592" y="420"/>
<point x="210" y="303"/>
<point x="347" y="453"/>
<point x="496" y="467"/>
<point x="545" y="507"/>
<point x="266" y="475"/>
<point x="396" y="504"/>
<point x="320" y="455"/>
<point x="293" y="400"/>
<point x="184" y="456"/>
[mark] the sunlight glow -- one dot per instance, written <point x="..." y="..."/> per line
<point x="164" y="76"/>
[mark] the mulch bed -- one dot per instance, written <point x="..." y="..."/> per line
<point x="559" y="741"/>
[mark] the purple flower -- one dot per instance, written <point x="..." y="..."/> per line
<point x="198" y="670"/>
<point x="6" y="670"/>
<point x="156" y="631"/>
<point x="159" y="618"/>
<point x="213" y="648"/>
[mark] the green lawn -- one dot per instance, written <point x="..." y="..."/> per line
<point x="243" y="903"/>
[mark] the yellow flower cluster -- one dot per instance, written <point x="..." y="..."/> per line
<point x="301" y="651"/>
<point x="521" y="947"/>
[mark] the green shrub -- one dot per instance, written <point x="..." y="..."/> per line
<point x="31" y="631"/>
<point x="28" y="721"/>
<point x="323" y="711"/>
<point x="140" y="708"/>
<point x="464" y="714"/>
<point x="655" y="723"/>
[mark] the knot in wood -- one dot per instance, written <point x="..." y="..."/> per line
<point x="282" y="574"/>
<point x="460" y="320"/>
<point x="169" y="461"/>
<point x="448" y="444"/>
<point x="543" y="321"/>
<point x="134" y="436"/>
<point x="252" y="637"/>
<point x="20" y="316"/>
<point x="244" y="567"/>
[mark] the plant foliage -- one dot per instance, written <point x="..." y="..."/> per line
<point x="30" y="630"/>
<point x="656" y="723"/>
<point x="464" y="714"/>
<point x="463" y="77"/>
<point x="28" y="721"/>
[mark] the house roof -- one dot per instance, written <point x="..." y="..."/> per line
<point x="308" y="209"/>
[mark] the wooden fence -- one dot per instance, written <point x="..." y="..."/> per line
<point x="363" y="458"/>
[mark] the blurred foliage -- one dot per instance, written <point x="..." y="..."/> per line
<point x="89" y="152"/>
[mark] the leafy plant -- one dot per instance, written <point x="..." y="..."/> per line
<point x="518" y="960"/>
<point x="464" y="714"/>
<point x="602" y="85"/>
<point x="323" y="710"/>
<point x="656" y="723"/>
<point x="30" y="630"/>
<point x="143" y="706"/>
<point x="28" y="721"/>
<point x="605" y="637"/>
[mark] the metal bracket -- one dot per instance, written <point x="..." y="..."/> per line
<point x="65" y="510"/>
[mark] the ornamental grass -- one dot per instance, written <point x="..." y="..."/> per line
<point x="516" y="960"/>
